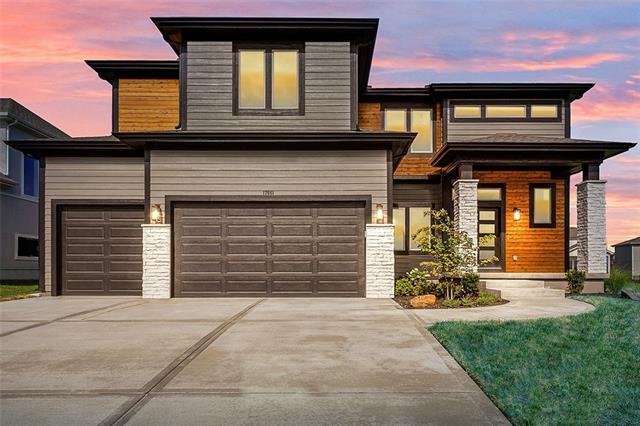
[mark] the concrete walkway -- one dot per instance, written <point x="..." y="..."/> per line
<point x="108" y="360"/>
<point x="529" y="308"/>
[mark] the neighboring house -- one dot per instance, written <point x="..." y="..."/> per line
<point x="573" y="250"/>
<point x="19" y="185"/>
<point x="627" y="256"/>
<point x="260" y="163"/>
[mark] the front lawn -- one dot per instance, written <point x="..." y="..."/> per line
<point x="14" y="289"/>
<point x="583" y="369"/>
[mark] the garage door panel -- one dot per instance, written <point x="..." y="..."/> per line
<point x="201" y="230"/>
<point x="270" y="248"/>
<point x="101" y="250"/>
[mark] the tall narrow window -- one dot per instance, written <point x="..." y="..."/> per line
<point x="251" y="85"/>
<point x="419" y="217"/>
<point x="542" y="205"/>
<point x="30" y="176"/>
<point x="399" y="218"/>
<point x="421" y="124"/>
<point x="4" y="158"/>
<point x="285" y="79"/>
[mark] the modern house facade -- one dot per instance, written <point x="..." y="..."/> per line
<point x="19" y="175"/>
<point x="261" y="163"/>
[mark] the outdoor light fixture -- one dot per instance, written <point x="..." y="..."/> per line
<point x="379" y="213"/>
<point x="516" y="214"/>
<point x="156" y="214"/>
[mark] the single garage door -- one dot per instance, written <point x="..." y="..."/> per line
<point x="101" y="250"/>
<point x="269" y="249"/>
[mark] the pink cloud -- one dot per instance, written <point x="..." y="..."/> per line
<point x="542" y="42"/>
<point x="605" y="103"/>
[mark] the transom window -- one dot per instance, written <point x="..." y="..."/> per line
<point x="542" y="205"/>
<point x="406" y="222"/>
<point x="417" y="120"/>
<point x="505" y="111"/>
<point x="268" y="80"/>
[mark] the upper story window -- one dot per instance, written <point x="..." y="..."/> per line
<point x="4" y="158"/>
<point x="268" y="80"/>
<point x="30" y="176"/>
<point x="417" y="120"/>
<point x="497" y="111"/>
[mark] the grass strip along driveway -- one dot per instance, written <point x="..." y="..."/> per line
<point x="14" y="289"/>
<point x="583" y="369"/>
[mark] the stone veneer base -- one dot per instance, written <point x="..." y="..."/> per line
<point x="379" y="261"/>
<point x="156" y="261"/>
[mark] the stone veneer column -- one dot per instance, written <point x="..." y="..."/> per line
<point x="379" y="261"/>
<point x="465" y="207"/>
<point x="156" y="261"/>
<point x="592" y="232"/>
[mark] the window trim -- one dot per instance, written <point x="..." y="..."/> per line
<point x="268" y="49"/>
<point x="532" y="188"/>
<point x="407" y="113"/>
<point x="502" y="102"/>
<point x="407" y="226"/>
<point x="15" y="247"/>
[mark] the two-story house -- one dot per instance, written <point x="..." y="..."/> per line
<point x="260" y="162"/>
<point x="19" y="185"/>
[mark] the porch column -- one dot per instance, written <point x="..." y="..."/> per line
<point x="156" y="261"/>
<point x="592" y="232"/>
<point x="465" y="207"/>
<point x="379" y="261"/>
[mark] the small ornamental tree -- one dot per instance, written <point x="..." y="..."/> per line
<point x="452" y="251"/>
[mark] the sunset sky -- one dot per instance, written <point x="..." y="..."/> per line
<point x="43" y="45"/>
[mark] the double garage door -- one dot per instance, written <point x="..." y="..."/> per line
<point x="223" y="249"/>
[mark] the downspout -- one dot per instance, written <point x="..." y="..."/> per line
<point x="7" y="138"/>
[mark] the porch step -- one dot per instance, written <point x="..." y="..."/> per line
<point x="514" y="289"/>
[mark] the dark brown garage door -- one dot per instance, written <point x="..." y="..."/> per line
<point x="101" y="250"/>
<point x="269" y="249"/>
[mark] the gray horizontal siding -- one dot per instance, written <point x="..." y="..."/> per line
<point x="88" y="178"/>
<point x="292" y="173"/>
<point x="459" y="131"/>
<point x="327" y="90"/>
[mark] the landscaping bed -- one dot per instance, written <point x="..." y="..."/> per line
<point x="581" y="369"/>
<point x="479" y="301"/>
<point x="11" y="290"/>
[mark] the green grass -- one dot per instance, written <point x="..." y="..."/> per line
<point x="9" y="289"/>
<point x="578" y="370"/>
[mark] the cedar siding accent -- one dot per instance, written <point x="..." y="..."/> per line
<point x="537" y="249"/>
<point x="465" y="130"/>
<point x="148" y="104"/>
<point x="210" y="90"/>
<point x="286" y="173"/>
<point x="370" y="116"/>
<point x="97" y="178"/>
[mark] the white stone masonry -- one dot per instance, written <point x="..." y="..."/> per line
<point x="592" y="226"/>
<point x="156" y="261"/>
<point x="465" y="207"/>
<point x="380" y="261"/>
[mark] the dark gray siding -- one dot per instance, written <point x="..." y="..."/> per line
<point x="414" y="194"/>
<point x="327" y="90"/>
<point x="293" y="173"/>
<point x="459" y="131"/>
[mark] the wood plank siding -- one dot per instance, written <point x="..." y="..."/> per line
<point x="210" y="85"/>
<point x="370" y="118"/>
<point x="460" y="131"/>
<point x="537" y="249"/>
<point x="98" y="178"/>
<point x="292" y="173"/>
<point x="148" y="104"/>
<point x="414" y="194"/>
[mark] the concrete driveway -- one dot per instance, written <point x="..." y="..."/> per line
<point x="109" y="360"/>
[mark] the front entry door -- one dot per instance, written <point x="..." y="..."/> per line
<point x="489" y="219"/>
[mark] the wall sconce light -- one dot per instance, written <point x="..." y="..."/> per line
<point x="156" y="214"/>
<point x="516" y="214"/>
<point x="379" y="213"/>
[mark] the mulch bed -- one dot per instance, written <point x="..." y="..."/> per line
<point x="404" y="302"/>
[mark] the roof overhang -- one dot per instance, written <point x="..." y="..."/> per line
<point x="78" y="147"/>
<point x="113" y="70"/>
<point x="397" y="142"/>
<point x="570" y="91"/>
<point x="569" y="156"/>
<point x="361" y="32"/>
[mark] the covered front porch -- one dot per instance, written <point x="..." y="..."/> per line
<point x="513" y="190"/>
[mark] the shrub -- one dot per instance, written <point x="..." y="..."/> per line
<point x="451" y="303"/>
<point x="485" y="299"/>
<point x="469" y="283"/>
<point x="575" y="281"/>
<point x="414" y="283"/>
<point x="466" y="301"/>
<point x="618" y="279"/>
